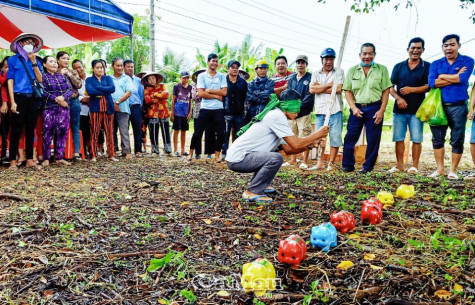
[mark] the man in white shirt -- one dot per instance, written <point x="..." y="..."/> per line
<point x="321" y="85"/>
<point x="255" y="150"/>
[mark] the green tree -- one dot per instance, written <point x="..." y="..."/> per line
<point x="172" y="65"/>
<point x="367" y="6"/>
<point x="141" y="50"/>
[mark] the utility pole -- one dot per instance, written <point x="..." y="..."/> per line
<point x="152" y="35"/>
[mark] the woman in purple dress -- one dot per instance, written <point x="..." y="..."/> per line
<point x="57" y="92"/>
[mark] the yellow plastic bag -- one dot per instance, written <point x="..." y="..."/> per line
<point x="429" y="105"/>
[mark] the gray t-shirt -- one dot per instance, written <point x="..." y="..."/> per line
<point x="263" y="136"/>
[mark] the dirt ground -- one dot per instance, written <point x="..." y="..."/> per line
<point x="163" y="231"/>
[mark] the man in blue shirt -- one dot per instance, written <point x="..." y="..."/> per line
<point x="123" y="90"/>
<point x="135" y="104"/>
<point x="212" y="88"/>
<point x="451" y="74"/>
<point x="302" y="125"/>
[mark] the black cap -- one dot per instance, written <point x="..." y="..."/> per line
<point x="184" y="74"/>
<point x="289" y="95"/>
<point x="232" y="62"/>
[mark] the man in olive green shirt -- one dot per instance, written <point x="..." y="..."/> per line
<point x="367" y="90"/>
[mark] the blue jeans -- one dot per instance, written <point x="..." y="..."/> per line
<point x="373" y="135"/>
<point x="400" y="123"/>
<point x="336" y="127"/>
<point x="234" y="123"/>
<point x="457" y="119"/>
<point x="136" y="122"/>
<point x="74" y="121"/>
<point x="472" y="138"/>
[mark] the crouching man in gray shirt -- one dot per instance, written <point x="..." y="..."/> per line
<point x="256" y="148"/>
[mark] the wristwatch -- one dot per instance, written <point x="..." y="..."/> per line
<point x="35" y="65"/>
<point x="310" y="147"/>
<point x="116" y="102"/>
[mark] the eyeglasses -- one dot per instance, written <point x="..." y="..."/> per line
<point x="29" y="41"/>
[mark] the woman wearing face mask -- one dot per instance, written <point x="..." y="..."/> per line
<point x="57" y="92"/>
<point x="74" y="104"/>
<point x="101" y="107"/>
<point x="23" y="68"/>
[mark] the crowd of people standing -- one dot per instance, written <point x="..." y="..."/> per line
<point x="52" y="100"/>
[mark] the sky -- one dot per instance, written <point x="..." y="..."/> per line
<point x="306" y="27"/>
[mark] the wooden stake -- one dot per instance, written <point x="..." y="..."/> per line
<point x="338" y="64"/>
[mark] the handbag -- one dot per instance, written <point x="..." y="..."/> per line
<point x="35" y="84"/>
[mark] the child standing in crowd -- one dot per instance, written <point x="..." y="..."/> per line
<point x="157" y="111"/>
<point x="181" y="112"/>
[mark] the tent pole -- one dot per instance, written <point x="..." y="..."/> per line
<point x="132" y="46"/>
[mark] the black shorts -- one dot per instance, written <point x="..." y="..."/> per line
<point x="180" y="123"/>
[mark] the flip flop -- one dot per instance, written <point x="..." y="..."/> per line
<point x="452" y="176"/>
<point x="413" y="170"/>
<point x="394" y="169"/>
<point x="256" y="199"/>
<point x="270" y="190"/>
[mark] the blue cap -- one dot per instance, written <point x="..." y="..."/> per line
<point x="328" y="52"/>
<point x="232" y="62"/>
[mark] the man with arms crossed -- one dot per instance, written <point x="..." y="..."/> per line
<point x="451" y="74"/>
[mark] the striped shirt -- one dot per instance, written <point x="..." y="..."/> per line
<point x="322" y="100"/>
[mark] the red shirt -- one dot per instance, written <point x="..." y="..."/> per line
<point x="3" y="87"/>
<point x="279" y="81"/>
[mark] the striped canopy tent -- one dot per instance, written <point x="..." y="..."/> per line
<point x="62" y="23"/>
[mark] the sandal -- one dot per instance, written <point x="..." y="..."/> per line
<point x="393" y="170"/>
<point x="470" y="177"/>
<point x="452" y="176"/>
<point x="269" y="190"/>
<point x="435" y="174"/>
<point x="413" y="170"/>
<point x="303" y="166"/>
<point x="258" y="199"/>
<point x="287" y="164"/>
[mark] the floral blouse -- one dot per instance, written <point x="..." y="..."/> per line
<point x="156" y="102"/>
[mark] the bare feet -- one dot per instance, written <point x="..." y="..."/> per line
<point x="63" y="162"/>
<point x="320" y="164"/>
<point x="32" y="164"/>
<point x="13" y="165"/>
<point x="128" y="156"/>
<point x="45" y="163"/>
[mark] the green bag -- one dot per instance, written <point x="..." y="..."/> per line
<point x="439" y="118"/>
<point x="429" y="105"/>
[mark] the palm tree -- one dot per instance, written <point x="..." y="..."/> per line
<point x="171" y="67"/>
